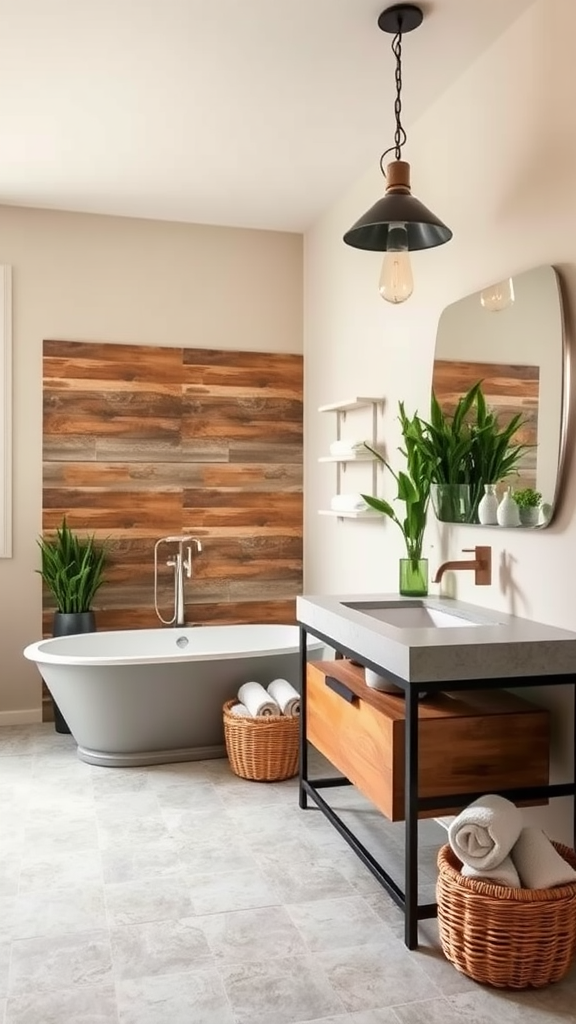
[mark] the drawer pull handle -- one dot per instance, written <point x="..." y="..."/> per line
<point x="341" y="689"/>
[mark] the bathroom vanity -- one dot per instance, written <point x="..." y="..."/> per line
<point x="394" y="747"/>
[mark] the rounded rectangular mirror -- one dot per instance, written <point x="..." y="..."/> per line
<point x="510" y="337"/>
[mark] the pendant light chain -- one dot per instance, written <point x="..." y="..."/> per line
<point x="399" y="133"/>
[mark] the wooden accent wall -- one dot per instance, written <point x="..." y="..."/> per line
<point x="141" y="442"/>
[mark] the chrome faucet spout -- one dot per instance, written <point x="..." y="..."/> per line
<point x="481" y="566"/>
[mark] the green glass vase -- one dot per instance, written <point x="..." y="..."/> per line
<point x="413" y="577"/>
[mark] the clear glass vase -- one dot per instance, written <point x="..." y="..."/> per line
<point x="413" y="577"/>
<point x="451" y="502"/>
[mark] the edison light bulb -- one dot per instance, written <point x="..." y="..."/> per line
<point x="498" y="296"/>
<point x="396" y="281"/>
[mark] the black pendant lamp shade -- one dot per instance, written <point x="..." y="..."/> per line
<point x="423" y="229"/>
<point x="398" y="208"/>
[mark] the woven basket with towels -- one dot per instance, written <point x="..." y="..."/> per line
<point x="262" y="749"/>
<point x="506" y="898"/>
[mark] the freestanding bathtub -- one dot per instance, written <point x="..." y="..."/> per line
<point x="152" y="696"/>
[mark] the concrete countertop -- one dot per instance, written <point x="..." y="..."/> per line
<point x="497" y="645"/>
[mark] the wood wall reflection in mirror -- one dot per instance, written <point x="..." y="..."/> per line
<point x="519" y="351"/>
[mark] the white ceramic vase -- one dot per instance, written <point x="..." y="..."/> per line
<point x="488" y="506"/>
<point x="508" y="513"/>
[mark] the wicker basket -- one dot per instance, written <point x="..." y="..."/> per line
<point x="261" y="749"/>
<point x="510" y="938"/>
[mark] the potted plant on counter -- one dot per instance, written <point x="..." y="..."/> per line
<point x="528" y="501"/>
<point x="414" y="490"/>
<point x="72" y="568"/>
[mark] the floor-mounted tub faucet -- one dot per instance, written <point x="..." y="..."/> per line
<point x="182" y="565"/>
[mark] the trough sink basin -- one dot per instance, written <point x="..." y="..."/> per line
<point x="413" y="615"/>
<point x="437" y="638"/>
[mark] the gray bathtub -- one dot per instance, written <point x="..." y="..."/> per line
<point x="152" y="696"/>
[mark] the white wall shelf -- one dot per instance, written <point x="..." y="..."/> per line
<point x="347" y="458"/>
<point x="364" y="513"/>
<point x="342" y="461"/>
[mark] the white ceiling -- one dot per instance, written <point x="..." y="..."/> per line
<point x="252" y="113"/>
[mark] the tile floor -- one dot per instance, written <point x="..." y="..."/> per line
<point x="181" y="894"/>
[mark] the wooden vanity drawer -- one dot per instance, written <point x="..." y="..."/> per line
<point x="468" y="742"/>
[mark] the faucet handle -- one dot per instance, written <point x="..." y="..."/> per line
<point x="468" y="551"/>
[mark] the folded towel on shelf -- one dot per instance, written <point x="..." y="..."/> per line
<point x="240" y="711"/>
<point x="503" y="874"/>
<point x="483" y="834"/>
<point x="285" y="696"/>
<point x="347" y="503"/>
<point x="539" y="865"/>
<point x="259" y="703"/>
<point x="348" y="448"/>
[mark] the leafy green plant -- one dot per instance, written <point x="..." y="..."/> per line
<point x="527" y="498"/>
<point x="72" y="568"/>
<point x="413" y="488"/>
<point x="469" y="446"/>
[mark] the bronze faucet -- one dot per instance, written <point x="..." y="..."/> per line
<point x="482" y="565"/>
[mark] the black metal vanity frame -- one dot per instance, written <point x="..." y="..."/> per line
<point x="407" y="899"/>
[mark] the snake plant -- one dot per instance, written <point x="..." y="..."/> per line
<point x="72" y="568"/>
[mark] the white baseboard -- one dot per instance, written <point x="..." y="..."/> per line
<point x="24" y="717"/>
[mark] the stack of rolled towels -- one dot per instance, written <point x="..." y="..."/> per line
<point x="257" y="701"/>
<point x="347" y="503"/>
<point x="491" y="840"/>
<point x="349" y="449"/>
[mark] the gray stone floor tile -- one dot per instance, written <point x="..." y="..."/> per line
<point x="42" y="870"/>
<point x="60" y="962"/>
<point x="151" y="899"/>
<point x="370" y="977"/>
<point x="158" y="947"/>
<point x="94" y="1005"/>
<point x="5" y="949"/>
<point x="252" y="935"/>
<point x="231" y="890"/>
<point x="486" y="1005"/>
<point x="196" y="997"/>
<point x="134" y="863"/>
<point x="283" y="991"/>
<point x="59" y="912"/>
<point x="338" y="924"/>
<point x="213" y="900"/>
<point x="432" y="1011"/>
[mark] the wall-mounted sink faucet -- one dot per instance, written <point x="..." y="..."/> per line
<point x="182" y="565"/>
<point x="481" y="564"/>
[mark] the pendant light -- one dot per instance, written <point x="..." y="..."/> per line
<point x="397" y="223"/>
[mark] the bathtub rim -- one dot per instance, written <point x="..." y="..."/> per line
<point x="37" y="652"/>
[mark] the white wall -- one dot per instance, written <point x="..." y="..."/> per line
<point x="496" y="159"/>
<point x="89" y="278"/>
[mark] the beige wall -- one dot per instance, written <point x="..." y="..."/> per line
<point x="88" y="278"/>
<point x="496" y="159"/>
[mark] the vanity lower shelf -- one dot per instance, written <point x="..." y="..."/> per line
<point x="468" y="741"/>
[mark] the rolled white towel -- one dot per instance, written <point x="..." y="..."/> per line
<point x="240" y="711"/>
<point x="539" y="865"/>
<point x="347" y="503"/>
<point x="483" y="834"/>
<point x="344" y="447"/>
<point x="259" y="703"/>
<point x="503" y="874"/>
<point x="285" y="696"/>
